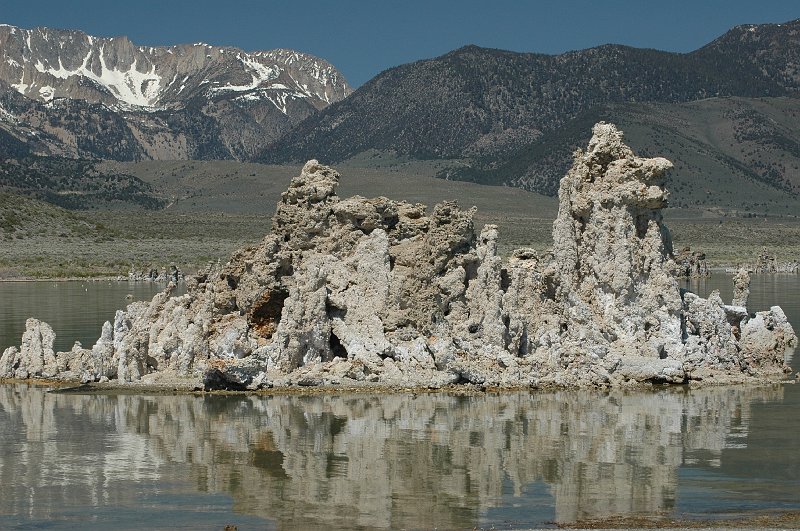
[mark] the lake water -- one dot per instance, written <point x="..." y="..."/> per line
<point x="76" y="310"/>
<point x="124" y="461"/>
<point x="397" y="461"/>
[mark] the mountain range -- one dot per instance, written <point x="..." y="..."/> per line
<point x="515" y="118"/>
<point x="66" y="93"/>
<point x="726" y="114"/>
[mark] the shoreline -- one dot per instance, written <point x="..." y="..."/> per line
<point x="191" y="386"/>
<point x="758" y="519"/>
<point x="84" y="279"/>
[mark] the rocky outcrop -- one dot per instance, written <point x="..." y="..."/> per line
<point x="741" y="287"/>
<point x="767" y="263"/>
<point x="35" y="357"/>
<point x="346" y="291"/>
<point x="691" y="264"/>
<point x="156" y="274"/>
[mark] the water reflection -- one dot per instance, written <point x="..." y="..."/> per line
<point x="398" y="461"/>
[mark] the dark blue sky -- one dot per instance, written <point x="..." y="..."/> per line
<point x="362" y="38"/>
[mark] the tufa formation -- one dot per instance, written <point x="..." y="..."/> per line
<point x="345" y="292"/>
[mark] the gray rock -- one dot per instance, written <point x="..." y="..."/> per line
<point x="741" y="287"/>
<point x="36" y="358"/>
<point x="641" y="369"/>
<point x="9" y="362"/>
<point x="379" y="291"/>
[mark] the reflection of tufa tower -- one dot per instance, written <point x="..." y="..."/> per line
<point x="392" y="461"/>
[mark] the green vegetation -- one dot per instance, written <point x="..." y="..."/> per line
<point x="74" y="183"/>
<point x="736" y="155"/>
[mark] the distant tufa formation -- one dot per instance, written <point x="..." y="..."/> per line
<point x="691" y="264"/>
<point x="769" y="264"/>
<point x="155" y="274"/>
<point x="351" y="291"/>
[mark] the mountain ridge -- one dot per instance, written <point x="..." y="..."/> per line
<point x="483" y="105"/>
<point x="180" y="101"/>
<point x="499" y="117"/>
<point x="137" y="76"/>
<point x="718" y="144"/>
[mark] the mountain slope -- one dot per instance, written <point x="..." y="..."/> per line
<point x="740" y="154"/>
<point x="22" y="217"/>
<point x="186" y="101"/>
<point x="75" y="184"/>
<point x="490" y="106"/>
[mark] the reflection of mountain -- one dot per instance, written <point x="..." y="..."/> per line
<point x="370" y="461"/>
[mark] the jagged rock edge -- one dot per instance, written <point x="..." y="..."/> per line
<point x="353" y="291"/>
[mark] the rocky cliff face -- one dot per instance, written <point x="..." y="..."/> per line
<point x="344" y="291"/>
<point x="169" y="99"/>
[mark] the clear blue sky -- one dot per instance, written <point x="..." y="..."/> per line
<point x="362" y="38"/>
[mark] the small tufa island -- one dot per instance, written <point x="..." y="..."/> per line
<point x="349" y="292"/>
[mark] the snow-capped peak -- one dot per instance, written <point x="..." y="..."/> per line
<point x="43" y="64"/>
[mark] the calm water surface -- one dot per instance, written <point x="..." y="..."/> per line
<point x="398" y="461"/>
<point x="75" y="310"/>
<point x="781" y="289"/>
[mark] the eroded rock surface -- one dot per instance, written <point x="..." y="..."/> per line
<point x="691" y="264"/>
<point x="767" y="263"/>
<point x="344" y="291"/>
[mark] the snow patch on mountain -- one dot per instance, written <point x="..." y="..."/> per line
<point x="20" y="87"/>
<point x="46" y="61"/>
<point x="47" y="93"/>
<point x="7" y="116"/>
<point x="130" y="86"/>
<point x="260" y="74"/>
<point x="166" y="102"/>
<point x="279" y="99"/>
